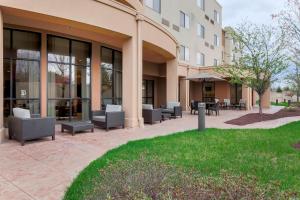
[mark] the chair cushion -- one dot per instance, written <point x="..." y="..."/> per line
<point x="242" y="101"/>
<point x="21" y="113"/>
<point x="171" y="105"/>
<point x="169" y="110"/>
<point x="99" y="118"/>
<point x="227" y="101"/>
<point x="147" y="107"/>
<point x="113" y="108"/>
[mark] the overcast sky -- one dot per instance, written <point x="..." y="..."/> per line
<point x="257" y="11"/>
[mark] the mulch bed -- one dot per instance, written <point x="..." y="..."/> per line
<point x="256" y="117"/>
<point x="297" y="146"/>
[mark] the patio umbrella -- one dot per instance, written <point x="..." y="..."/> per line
<point x="205" y="77"/>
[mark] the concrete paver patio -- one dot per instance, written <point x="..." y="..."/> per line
<point x="42" y="170"/>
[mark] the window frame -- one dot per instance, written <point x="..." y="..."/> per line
<point x="201" y="31"/>
<point x="185" y="54"/>
<point x="216" y="40"/>
<point x="184" y="20"/>
<point x="70" y="99"/>
<point x="152" y="7"/>
<point x="146" y="81"/>
<point x="11" y="61"/>
<point x="201" y="4"/>
<point x="113" y="99"/>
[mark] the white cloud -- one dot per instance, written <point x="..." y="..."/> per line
<point x="257" y="11"/>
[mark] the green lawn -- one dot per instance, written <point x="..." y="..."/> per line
<point x="266" y="154"/>
<point x="285" y="104"/>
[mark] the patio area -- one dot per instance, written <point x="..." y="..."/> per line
<point x="44" y="169"/>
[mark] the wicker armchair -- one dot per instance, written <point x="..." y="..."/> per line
<point x="112" y="117"/>
<point x="151" y="115"/>
<point x="174" y="109"/>
<point x="23" y="126"/>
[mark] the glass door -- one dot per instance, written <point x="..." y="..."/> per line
<point x="148" y="92"/>
<point x="69" y="79"/>
<point x="208" y="91"/>
<point x="235" y="93"/>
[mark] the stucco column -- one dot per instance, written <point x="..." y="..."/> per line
<point x="266" y="98"/>
<point x="96" y="77"/>
<point x="2" y="132"/>
<point x="132" y="78"/>
<point x="184" y="93"/>
<point x="172" y="80"/>
<point x="44" y="71"/>
<point x="246" y="96"/>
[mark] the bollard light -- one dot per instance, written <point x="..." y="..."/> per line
<point x="201" y="116"/>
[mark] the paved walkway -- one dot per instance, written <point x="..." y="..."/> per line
<point x="42" y="170"/>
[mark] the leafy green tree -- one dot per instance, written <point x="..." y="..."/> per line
<point x="262" y="57"/>
<point x="279" y="90"/>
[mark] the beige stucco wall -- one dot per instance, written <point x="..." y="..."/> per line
<point x="99" y="24"/>
<point x="188" y="37"/>
<point x="222" y="90"/>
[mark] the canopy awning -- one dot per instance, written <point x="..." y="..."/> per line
<point x="205" y="77"/>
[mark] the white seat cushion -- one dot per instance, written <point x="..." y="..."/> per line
<point x="99" y="118"/>
<point x="147" y="107"/>
<point x="171" y="105"/>
<point x="242" y="101"/>
<point x="113" y="108"/>
<point x="21" y="113"/>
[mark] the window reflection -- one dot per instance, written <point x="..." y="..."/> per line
<point x="111" y="76"/>
<point x="21" y="71"/>
<point x="69" y="79"/>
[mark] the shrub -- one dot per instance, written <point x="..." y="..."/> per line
<point x="152" y="179"/>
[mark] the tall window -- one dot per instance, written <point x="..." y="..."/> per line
<point x="148" y="92"/>
<point x="236" y="93"/>
<point x="184" y="53"/>
<point x="216" y="40"/>
<point x="217" y="16"/>
<point x="69" y="78"/>
<point x="216" y="62"/>
<point x="111" y="73"/>
<point x="201" y="4"/>
<point x="200" y="59"/>
<point x="184" y="20"/>
<point x="201" y="31"/>
<point x="21" y="71"/>
<point x="154" y="5"/>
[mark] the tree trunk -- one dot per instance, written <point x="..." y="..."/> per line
<point x="259" y="104"/>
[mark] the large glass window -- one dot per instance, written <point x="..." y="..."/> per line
<point x="69" y="79"/>
<point x="21" y="71"/>
<point x="148" y="92"/>
<point x="236" y="93"/>
<point x="111" y="76"/>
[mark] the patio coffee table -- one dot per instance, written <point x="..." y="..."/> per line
<point x="74" y="127"/>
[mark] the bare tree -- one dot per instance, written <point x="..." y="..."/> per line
<point x="262" y="57"/>
<point x="289" y="21"/>
<point x="293" y="79"/>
